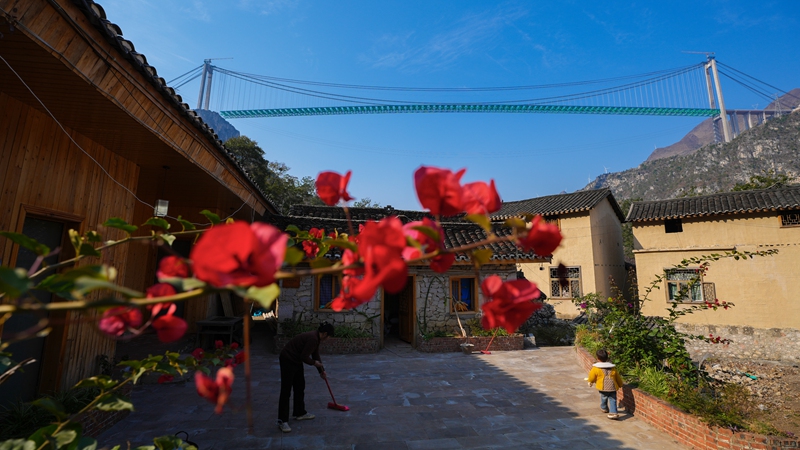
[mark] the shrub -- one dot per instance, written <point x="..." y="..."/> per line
<point x="436" y="333"/>
<point x="476" y="329"/>
<point x="348" y="332"/>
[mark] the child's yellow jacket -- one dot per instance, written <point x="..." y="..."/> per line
<point x="605" y="377"/>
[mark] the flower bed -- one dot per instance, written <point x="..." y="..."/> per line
<point x="94" y="421"/>
<point x="337" y="346"/>
<point x="686" y="428"/>
<point x="453" y="344"/>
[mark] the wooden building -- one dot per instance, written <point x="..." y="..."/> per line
<point x="89" y="131"/>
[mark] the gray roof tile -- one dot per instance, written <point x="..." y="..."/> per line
<point x="773" y="199"/>
<point x="553" y="205"/>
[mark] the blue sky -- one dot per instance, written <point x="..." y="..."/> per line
<point x="464" y="44"/>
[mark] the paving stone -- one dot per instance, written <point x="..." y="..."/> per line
<point x="401" y="399"/>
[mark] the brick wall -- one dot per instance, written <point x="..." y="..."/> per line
<point x="95" y="422"/>
<point x="337" y="346"/>
<point x="453" y="344"/>
<point x="686" y="428"/>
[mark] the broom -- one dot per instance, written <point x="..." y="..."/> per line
<point x="333" y="404"/>
<point x="487" y="352"/>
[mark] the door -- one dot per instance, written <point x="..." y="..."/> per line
<point x="406" y="311"/>
<point x="41" y="375"/>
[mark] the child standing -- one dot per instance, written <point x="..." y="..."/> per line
<point x="607" y="380"/>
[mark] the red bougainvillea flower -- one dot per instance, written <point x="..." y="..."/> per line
<point x="165" y="378"/>
<point x="510" y="302"/>
<point x="234" y="345"/>
<point x="239" y="358"/>
<point x="219" y="344"/>
<point x="543" y="238"/>
<point x="440" y="263"/>
<point x="481" y="198"/>
<point x="172" y="267"/>
<point x="439" y="190"/>
<point x="160" y="290"/>
<point x="229" y="363"/>
<point x="116" y="320"/>
<point x="198" y="353"/>
<point x="310" y="247"/>
<point x="216" y="391"/>
<point x="380" y="246"/>
<point x="239" y="254"/>
<point x="169" y="328"/>
<point x="332" y="187"/>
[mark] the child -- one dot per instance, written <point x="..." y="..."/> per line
<point x="607" y="380"/>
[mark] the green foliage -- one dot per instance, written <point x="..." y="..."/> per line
<point x="436" y="333"/>
<point x="652" y="380"/>
<point x="476" y="329"/>
<point x="348" y="332"/>
<point x="273" y="177"/>
<point x="588" y="338"/>
<point x="291" y="327"/>
<point x="726" y="406"/>
<point x="766" y="179"/>
<point x="627" y="228"/>
<point x="366" y="202"/>
<point x="20" y="420"/>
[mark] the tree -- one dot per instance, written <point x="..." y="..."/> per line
<point x="366" y="202"/>
<point x="273" y="177"/>
<point x="627" y="229"/>
<point x="766" y="180"/>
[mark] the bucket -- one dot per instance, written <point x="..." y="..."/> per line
<point x="467" y="348"/>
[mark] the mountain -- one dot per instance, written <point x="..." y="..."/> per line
<point x="773" y="145"/>
<point x="222" y="127"/>
<point x="703" y="134"/>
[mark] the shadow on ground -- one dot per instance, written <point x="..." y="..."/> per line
<point x="401" y="399"/>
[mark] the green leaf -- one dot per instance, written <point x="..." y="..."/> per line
<point x="93" y="236"/>
<point x="13" y="282"/>
<point x="75" y="239"/>
<point x="185" y="224"/>
<point x="428" y="231"/>
<point x="103" y="382"/>
<point x="293" y="256"/>
<point x="87" y="443"/>
<point x="343" y="243"/>
<point x="84" y="285"/>
<point x="190" y="284"/>
<point x="320" y="263"/>
<point x="26" y="242"/>
<point x="516" y="222"/>
<point x="168" y="238"/>
<point x="213" y="218"/>
<point x="482" y="220"/>
<point x="116" y="222"/>
<point x="157" y="222"/>
<point x="113" y="402"/>
<point x="18" y="444"/>
<point x="482" y="256"/>
<point x="168" y="443"/>
<point x="293" y="229"/>
<point x="88" y="250"/>
<point x="264" y="295"/>
<point x="53" y="406"/>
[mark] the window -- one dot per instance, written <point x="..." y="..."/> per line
<point x="684" y="285"/>
<point x="673" y="226"/>
<point x="328" y="287"/>
<point x="790" y="218"/>
<point x="462" y="292"/>
<point x="571" y="289"/>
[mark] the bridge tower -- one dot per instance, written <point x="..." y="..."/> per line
<point x="711" y="71"/>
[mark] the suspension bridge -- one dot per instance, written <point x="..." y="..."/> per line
<point x="693" y="91"/>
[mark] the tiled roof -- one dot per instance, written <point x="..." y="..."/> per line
<point x="361" y="214"/>
<point x="553" y="205"/>
<point x="113" y="34"/>
<point x="774" y="199"/>
<point x="456" y="233"/>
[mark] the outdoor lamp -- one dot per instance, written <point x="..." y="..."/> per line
<point x="161" y="208"/>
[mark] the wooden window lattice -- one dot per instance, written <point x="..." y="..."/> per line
<point x="790" y="219"/>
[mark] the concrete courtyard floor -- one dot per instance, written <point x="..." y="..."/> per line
<point x="401" y="399"/>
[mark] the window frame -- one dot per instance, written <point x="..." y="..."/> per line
<point x="475" y="297"/>
<point x="579" y="281"/>
<point x="673" y="226"/>
<point x="699" y="287"/>
<point x="793" y="222"/>
<point x="318" y="283"/>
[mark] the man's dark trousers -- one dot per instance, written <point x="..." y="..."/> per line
<point x="292" y="379"/>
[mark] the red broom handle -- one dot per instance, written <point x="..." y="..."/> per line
<point x="490" y="341"/>
<point x="330" y="391"/>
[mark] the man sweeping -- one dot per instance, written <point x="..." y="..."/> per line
<point x="303" y="348"/>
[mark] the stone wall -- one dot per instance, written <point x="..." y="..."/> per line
<point x="684" y="427"/>
<point x="433" y="294"/>
<point x="774" y="344"/>
<point x="296" y="301"/>
<point x="337" y="346"/>
<point x="453" y="344"/>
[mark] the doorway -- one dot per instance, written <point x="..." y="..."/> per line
<point x="399" y="313"/>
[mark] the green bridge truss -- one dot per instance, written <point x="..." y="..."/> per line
<point x="468" y="108"/>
